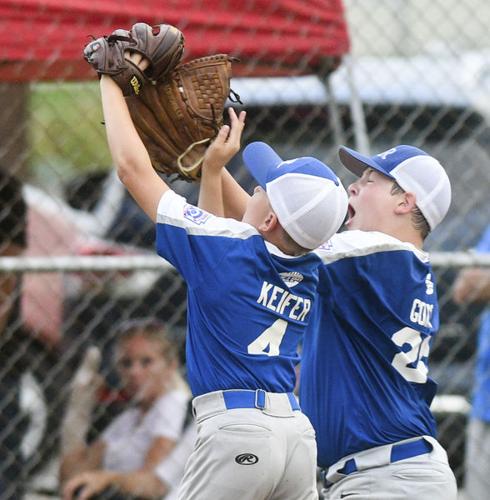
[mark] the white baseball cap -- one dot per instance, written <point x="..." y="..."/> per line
<point x="307" y="197"/>
<point x="414" y="171"/>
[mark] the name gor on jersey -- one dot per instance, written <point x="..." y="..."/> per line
<point x="283" y="302"/>
<point x="421" y="313"/>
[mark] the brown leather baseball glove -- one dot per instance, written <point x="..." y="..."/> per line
<point x="161" y="45"/>
<point x="179" y="117"/>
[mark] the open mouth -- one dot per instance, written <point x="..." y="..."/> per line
<point x="350" y="214"/>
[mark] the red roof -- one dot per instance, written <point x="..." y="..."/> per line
<point x="43" y="39"/>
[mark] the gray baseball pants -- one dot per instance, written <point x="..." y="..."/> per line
<point x="422" y="477"/>
<point x="250" y="453"/>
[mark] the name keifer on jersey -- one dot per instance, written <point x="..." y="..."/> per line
<point x="283" y="302"/>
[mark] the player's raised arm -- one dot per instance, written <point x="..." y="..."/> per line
<point x="235" y="198"/>
<point x="219" y="153"/>
<point x="128" y="152"/>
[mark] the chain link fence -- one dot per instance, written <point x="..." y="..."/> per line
<point x="417" y="72"/>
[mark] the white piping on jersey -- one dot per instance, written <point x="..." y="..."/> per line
<point x="171" y="212"/>
<point x="361" y="243"/>
<point x="240" y="231"/>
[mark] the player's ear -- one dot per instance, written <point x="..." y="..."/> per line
<point x="406" y="203"/>
<point x="269" y="223"/>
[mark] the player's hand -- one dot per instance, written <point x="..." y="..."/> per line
<point x="137" y="59"/>
<point x="472" y="285"/>
<point x="84" y="486"/>
<point x="226" y="144"/>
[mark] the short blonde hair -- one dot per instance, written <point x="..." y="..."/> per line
<point x="292" y="246"/>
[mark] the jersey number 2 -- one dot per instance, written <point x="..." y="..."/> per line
<point x="269" y="340"/>
<point x="409" y="364"/>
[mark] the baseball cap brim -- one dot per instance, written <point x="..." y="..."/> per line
<point x="357" y="162"/>
<point x="260" y="159"/>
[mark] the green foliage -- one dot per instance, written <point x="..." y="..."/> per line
<point x="65" y="130"/>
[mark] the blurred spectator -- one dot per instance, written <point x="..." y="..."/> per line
<point x="25" y="389"/>
<point x="473" y="286"/>
<point x="13" y="423"/>
<point x="29" y="393"/>
<point x="136" y="454"/>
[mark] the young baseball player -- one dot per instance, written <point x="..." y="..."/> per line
<point x="365" y="383"/>
<point x="251" y="289"/>
<point x="364" y="380"/>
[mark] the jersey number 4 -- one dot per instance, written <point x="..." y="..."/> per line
<point x="269" y="340"/>
<point x="410" y="364"/>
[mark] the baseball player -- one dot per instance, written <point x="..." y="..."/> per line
<point x="251" y="287"/>
<point x="365" y="383"/>
<point x="364" y="375"/>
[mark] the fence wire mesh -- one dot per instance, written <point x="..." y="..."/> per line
<point x="417" y="72"/>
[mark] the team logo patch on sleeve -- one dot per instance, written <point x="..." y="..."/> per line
<point x="195" y="214"/>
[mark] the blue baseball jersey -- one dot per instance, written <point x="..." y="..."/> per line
<point x="364" y="379"/>
<point x="481" y="396"/>
<point x="248" y="304"/>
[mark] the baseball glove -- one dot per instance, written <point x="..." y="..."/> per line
<point x="179" y="117"/>
<point x="162" y="46"/>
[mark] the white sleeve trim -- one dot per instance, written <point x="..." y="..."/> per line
<point x="168" y="198"/>
<point x="361" y="243"/>
<point x="174" y="210"/>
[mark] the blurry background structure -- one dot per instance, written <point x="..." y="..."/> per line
<point x="313" y="74"/>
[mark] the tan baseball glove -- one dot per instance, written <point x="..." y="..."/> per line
<point x="179" y="117"/>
